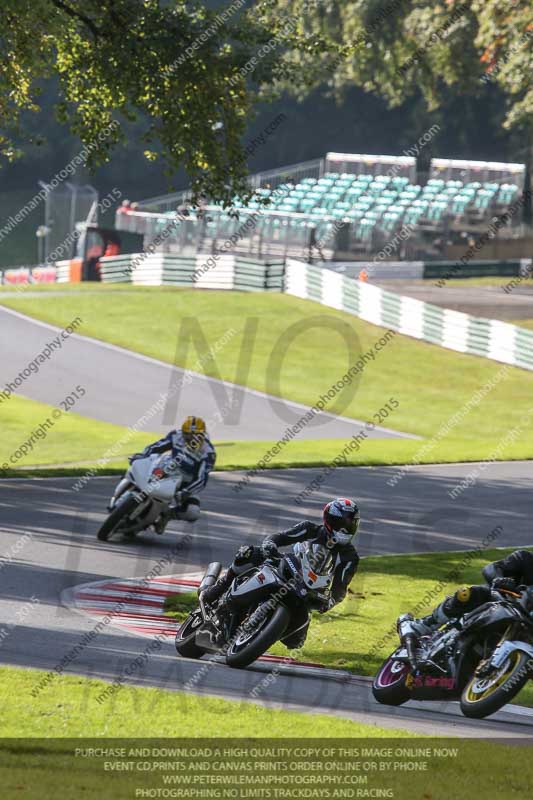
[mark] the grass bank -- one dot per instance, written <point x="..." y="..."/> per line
<point x="76" y="444"/>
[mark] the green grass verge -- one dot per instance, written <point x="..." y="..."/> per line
<point x="524" y="323"/>
<point x="75" y="444"/>
<point x="360" y="633"/>
<point x="430" y="383"/>
<point x="72" y="438"/>
<point x="68" y="707"/>
<point x="38" y="763"/>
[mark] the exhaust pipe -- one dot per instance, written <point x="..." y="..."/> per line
<point x="211" y="576"/>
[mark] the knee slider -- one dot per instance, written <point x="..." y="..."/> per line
<point x="463" y="595"/>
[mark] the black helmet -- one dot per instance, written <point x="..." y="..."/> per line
<point x="341" y="520"/>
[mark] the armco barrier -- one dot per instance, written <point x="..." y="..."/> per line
<point x="432" y="270"/>
<point x="205" y="271"/>
<point x="454" y="330"/>
<point x="475" y="269"/>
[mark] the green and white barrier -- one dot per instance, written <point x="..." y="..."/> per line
<point x="205" y="271"/>
<point x="454" y="330"/>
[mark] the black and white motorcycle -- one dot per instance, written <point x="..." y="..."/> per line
<point x="146" y="491"/>
<point x="262" y="606"/>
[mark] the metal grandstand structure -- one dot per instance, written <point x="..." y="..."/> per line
<point x="345" y="205"/>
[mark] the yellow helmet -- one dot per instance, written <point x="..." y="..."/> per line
<point x="193" y="430"/>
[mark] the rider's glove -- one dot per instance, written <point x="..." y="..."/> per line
<point x="326" y="605"/>
<point x="269" y="549"/>
<point x="247" y="554"/>
<point x="504" y="583"/>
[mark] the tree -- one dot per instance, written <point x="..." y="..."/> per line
<point x="398" y="47"/>
<point x="193" y="73"/>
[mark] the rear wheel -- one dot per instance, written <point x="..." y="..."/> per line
<point x="487" y="694"/>
<point x="186" y="635"/>
<point x="118" y="515"/>
<point x="391" y="684"/>
<point x="249" y="645"/>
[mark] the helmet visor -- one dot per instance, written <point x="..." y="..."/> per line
<point x="347" y="524"/>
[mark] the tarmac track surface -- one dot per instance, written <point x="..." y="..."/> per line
<point x="48" y="544"/>
<point x="121" y="386"/>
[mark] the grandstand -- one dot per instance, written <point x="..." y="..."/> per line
<point x="344" y="205"/>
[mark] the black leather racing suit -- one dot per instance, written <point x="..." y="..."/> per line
<point x="518" y="566"/>
<point x="346" y="561"/>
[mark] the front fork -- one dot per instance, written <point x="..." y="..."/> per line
<point x="493" y="660"/>
<point x="121" y="488"/>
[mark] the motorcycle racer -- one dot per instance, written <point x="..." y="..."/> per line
<point x="510" y="572"/>
<point x="195" y="456"/>
<point x="340" y="523"/>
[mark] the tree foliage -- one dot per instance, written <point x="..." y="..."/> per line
<point x="398" y="47"/>
<point x="191" y="76"/>
<point x="183" y="67"/>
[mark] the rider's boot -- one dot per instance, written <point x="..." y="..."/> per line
<point x="214" y="592"/>
<point x="425" y="626"/>
<point x="163" y="519"/>
<point x="187" y="509"/>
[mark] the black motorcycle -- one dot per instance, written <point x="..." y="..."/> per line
<point x="263" y="605"/>
<point x="483" y="659"/>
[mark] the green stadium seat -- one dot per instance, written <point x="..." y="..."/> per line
<point x="355" y="213"/>
<point x="437" y="210"/>
<point x="508" y="192"/>
<point x="410" y="194"/>
<point x="400" y="183"/>
<point x="364" y="229"/>
<point x="459" y="204"/>
<point x="354" y="192"/>
<point x="483" y="199"/>
<point x="338" y="213"/>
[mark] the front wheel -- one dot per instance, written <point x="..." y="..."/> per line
<point x="391" y="684"/>
<point x="118" y="515"/>
<point x="487" y="694"/>
<point x="248" y="646"/>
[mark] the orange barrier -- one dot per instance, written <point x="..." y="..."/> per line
<point x="75" y="270"/>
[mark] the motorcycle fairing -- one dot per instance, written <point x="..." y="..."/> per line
<point x="504" y="650"/>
